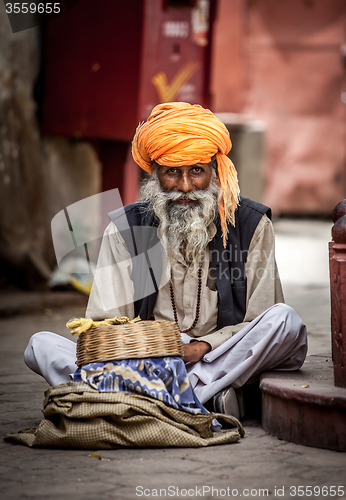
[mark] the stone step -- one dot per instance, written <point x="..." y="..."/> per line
<point x="13" y="303"/>
<point x="305" y="407"/>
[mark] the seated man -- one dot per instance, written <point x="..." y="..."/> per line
<point x="194" y="252"/>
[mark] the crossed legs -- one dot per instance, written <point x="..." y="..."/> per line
<point x="276" y="339"/>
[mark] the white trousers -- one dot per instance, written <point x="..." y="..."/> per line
<point x="276" y="339"/>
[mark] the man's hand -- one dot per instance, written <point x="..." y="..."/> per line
<point x="194" y="351"/>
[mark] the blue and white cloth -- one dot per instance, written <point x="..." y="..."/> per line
<point x="165" y="379"/>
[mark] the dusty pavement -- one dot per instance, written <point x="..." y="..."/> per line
<point x="258" y="466"/>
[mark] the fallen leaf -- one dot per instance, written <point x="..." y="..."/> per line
<point x="95" y="455"/>
<point x="305" y="386"/>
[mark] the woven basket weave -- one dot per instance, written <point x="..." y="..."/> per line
<point x="144" y="339"/>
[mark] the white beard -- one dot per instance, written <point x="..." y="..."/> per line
<point x="184" y="228"/>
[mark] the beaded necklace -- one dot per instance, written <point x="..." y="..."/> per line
<point x="198" y="305"/>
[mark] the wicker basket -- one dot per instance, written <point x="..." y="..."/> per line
<point x="144" y="339"/>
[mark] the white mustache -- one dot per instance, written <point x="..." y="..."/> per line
<point x="176" y="195"/>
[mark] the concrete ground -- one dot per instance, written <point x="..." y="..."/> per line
<point x="257" y="466"/>
<point x="302" y="256"/>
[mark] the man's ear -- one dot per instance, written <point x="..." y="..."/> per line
<point x="213" y="163"/>
<point x="154" y="168"/>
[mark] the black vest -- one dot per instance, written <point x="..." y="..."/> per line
<point x="138" y="227"/>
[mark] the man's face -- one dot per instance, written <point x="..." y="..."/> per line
<point x="184" y="179"/>
<point x="184" y="200"/>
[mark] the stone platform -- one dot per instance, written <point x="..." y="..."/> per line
<point x="14" y="302"/>
<point x="305" y="407"/>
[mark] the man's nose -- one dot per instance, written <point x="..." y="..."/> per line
<point x="185" y="184"/>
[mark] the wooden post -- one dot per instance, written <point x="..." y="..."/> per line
<point x="337" y="266"/>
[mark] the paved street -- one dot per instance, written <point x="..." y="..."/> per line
<point x="257" y="463"/>
<point x="303" y="262"/>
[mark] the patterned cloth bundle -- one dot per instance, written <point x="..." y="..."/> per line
<point x="163" y="378"/>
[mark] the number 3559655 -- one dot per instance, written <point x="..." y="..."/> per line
<point x="33" y="8"/>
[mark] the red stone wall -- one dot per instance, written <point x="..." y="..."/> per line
<point x="228" y="57"/>
<point x="280" y="62"/>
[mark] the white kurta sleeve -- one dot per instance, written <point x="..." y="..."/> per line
<point x="112" y="291"/>
<point x="263" y="282"/>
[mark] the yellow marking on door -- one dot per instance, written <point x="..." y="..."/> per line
<point x="169" y="91"/>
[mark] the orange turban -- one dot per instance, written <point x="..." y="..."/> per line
<point x="176" y="134"/>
